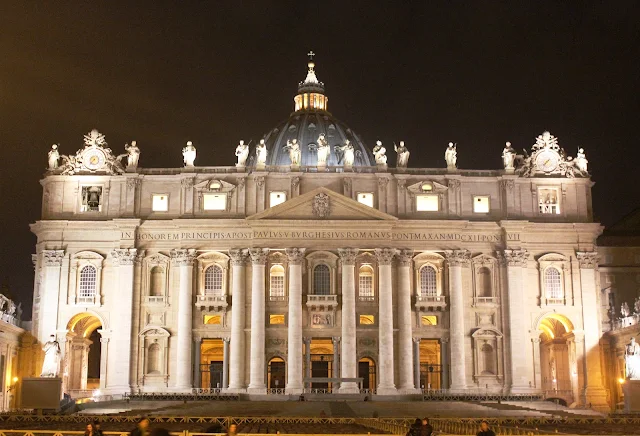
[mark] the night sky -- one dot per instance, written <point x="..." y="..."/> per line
<point x="162" y="73"/>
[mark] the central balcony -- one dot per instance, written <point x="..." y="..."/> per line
<point x="322" y="302"/>
<point x="212" y="303"/>
<point x="431" y="303"/>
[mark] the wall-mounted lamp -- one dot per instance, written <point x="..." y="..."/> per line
<point x="11" y="387"/>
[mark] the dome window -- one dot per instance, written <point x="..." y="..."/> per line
<point x="312" y="126"/>
<point x="292" y="128"/>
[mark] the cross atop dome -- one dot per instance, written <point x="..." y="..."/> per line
<point x="311" y="54"/>
<point x="311" y="91"/>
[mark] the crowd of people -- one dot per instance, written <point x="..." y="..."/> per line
<point x="421" y="427"/>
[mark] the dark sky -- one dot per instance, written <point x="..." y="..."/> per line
<point x="162" y="73"/>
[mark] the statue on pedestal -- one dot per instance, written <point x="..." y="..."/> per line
<point x="323" y="150"/>
<point x="581" y="161"/>
<point x="346" y="153"/>
<point x="133" y="154"/>
<point x="242" y="152"/>
<point x="189" y="154"/>
<point x="632" y="360"/>
<point x="624" y="310"/>
<point x="380" y="153"/>
<point x="54" y="156"/>
<point x="261" y="154"/>
<point x="52" y="353"/>
<point x="295" y="154"/>
<point x="508" y="157"/>
<point x="403" y="155"/>
<point x="451" y="156"/>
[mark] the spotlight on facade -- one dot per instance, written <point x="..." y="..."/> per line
<point x="621" y="380"/>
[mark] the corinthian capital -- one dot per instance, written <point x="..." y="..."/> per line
<point x="259" y="255"/>
<point x="514" y="257"/>
<point x="124" y="256"/>
<point x="587" y="259"/>
<point x="405" y="257"/>
<point x="348" y="255"/>
<point x="458" y="257"/>
<point x="295" y="255"/>
<point x="52" y="257"/>
<point x="183" y="256"/>
<point x="385" y="255"/>
<point x="238" y="256"/>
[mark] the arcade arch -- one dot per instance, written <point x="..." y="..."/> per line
<point x="558" y="367"/>
<point x="83" y="350"/>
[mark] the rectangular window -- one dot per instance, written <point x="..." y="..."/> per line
<point x="276" y="198"/>
<point x="160" y="202"/>
<point x="276" y="319"/>
<point x="480" y="204"/>
<point x="214" y="201"/>
<point x="367" y="320"/>
<point x="365" y="285"/>
<point x="429" y="320"/>
<point x="549" y="201"/>
<point x="365" y="198"/>
<point x="427" y="203"/>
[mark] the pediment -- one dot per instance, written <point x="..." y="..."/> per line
<point x="426" y="187"/>
<point x="322" y="204"/>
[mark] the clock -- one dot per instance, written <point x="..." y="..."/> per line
<point x="93" y="159"/>
<point x="547" y="161"/>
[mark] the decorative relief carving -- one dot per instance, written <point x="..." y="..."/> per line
<point x="346" y="184"/>
<point x="514" y="257"/>
<point x="241" y="181"/>
<point x="295" y="255"/>
<point x="508" y="185"/>
<point x="53" y="257"/>
<point x="183" y="257"/>
<point x="458" y="257"/>
<point x="453" y="184"/>
<point x="259" y="255"/>
<point x="124" y="256"/>
<point x="385" y="255"/>
<point x="238" y="256"/>
<point x="405" y="257"/>
<point x="133" y="183"/>
<point x="259" y="181"/>
<point x="402" y="183"/>
<point x="348" y="255"/>
<point x="321" y="205"/>
<point x="187" y="183"/>
<point x="382" y="183"/>
<point x="587" y="259"/>
<point x="295" y="182"/>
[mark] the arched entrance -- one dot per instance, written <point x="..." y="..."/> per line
<point x="558" y="367"/>
<point x="367" y="371"/>
<point x="82" y="354"/>
<point x="276" y="378"/>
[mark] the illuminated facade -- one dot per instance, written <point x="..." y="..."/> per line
<point x="314" y="264"/>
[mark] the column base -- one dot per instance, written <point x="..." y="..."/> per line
<point x="411" y="390"/>
<point x="597" y="397"/>
<point x="262" y="390"/>
<point x="293" y="390"/>
<point x="231" y="390"/>
<point x="387" y="390"/>
<point x="348" y="388"/>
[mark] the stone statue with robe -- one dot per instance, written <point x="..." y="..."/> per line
<point x="380" y="153"/>
<point x="347" y="152"/>
<point x="323" y="150"/>
<point x="403" y="155"/>
<point x="632" y="360"/>
<point x="133" y="155"/>
<point x="624" y="310"/>
<point x="52" y="354"/>
<point x="451" y="156"/>
<point x="508" y="157"/>
<point x="189" y="154"/>
<point x="295" y="154"/>
<point x="261" y="154"/>
<point x="581" y="161"/>
<point x="54" y="156"/>
<point x="242" y="153"/>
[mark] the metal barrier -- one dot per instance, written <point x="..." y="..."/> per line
<point x="196" y="395"/>
<point x="445" y="395"/>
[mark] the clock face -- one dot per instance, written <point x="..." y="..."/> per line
<point x="547" y="161"/>
<point x="93" y="159"/>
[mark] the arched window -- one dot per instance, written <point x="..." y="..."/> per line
<point x="428" y="283"/>
<point x="321" y="280"/>
<point x="156" y="285"/>
<point x="153" y="359"/>
<point x="553" y="283"/>
<point x="276" y="282"/>
<point x="488" y="360"/>
<point x="213" y="280"/>
<point x="483" y="282"/>
<point x="88" y="276"/>
<point x="365" y="282"/>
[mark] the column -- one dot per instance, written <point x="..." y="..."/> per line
<point x="335" y="368"/>
<point x="104" y="354"/>
<point x="386" y="385"/>
<point x="405" y="316"/>
<point x="294" y="356"/>
<point x="307" y="359"/>
<point x="183" y="260"/>
<point x="119" y="379"/>
<point x="521" y="368"/>
<point x="197" y="356"/>
<point x="537" y="370"/>
<point x="50" y="291"/>
<point x="225" y="362"/>
<point x="595" y="392"/>
<point x="456" y="259"/>
<point x="238" y="305"/>
<point x="349" y="359"/>
<point x="257" y="363"/>
<point x="416" y="363"/>
<point x="444" y="361"/>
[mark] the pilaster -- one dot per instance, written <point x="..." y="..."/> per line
<point x="52" y="261"/>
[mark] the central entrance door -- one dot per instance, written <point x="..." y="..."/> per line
<point x="321" y="364"/>
<point x="211" y="363"/>
<point x="277" y="373"/>
<point x="367" y="372"/>
<point x="430" y="366"/>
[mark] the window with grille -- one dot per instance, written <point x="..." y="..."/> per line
<point x="321" y="280"/>
<point x="365" y="283"/>
<point x="428" y="283"/>
<point x="213" y="280"/>
<point x="276" y="282"/>
<point x="88" y="276"/>
<point x="553" y="283"/>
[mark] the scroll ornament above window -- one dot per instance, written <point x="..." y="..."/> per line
<point x="547" y="158"/>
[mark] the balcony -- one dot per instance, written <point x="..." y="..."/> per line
<point x="431" y="303"/>
<point x="322" y="302"/>
<point x="366" y="298"/>
<point x="212" y="303"/>
<point x="278" y="299"/>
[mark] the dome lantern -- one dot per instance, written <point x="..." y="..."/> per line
<point x="311" y="91"/>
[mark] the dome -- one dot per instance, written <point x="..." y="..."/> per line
<point x="309" y="120"/>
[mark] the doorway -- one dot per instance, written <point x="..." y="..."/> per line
<point x="430" y="364"/>
<point x="367" y="372"/>
<point x="277" y="373"/>
<point x="211" y="363"/>
<point x="321" y="362"/>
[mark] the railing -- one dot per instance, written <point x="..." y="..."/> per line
<point x="431" y="301"/>
<point x="322" y="300"/>
<point x="317" y="390"/>
<point x="555" y="301"/>
<point x="366" y="298"/>
<point x="385" y="426"/>
<point x="276" y="391"/>
<point x="206" y="391"/>
<point x="626" y="321"/>
<point x="476" y="395"/>
<point x="558" y="393"/>
<point x="212" y="301"/>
